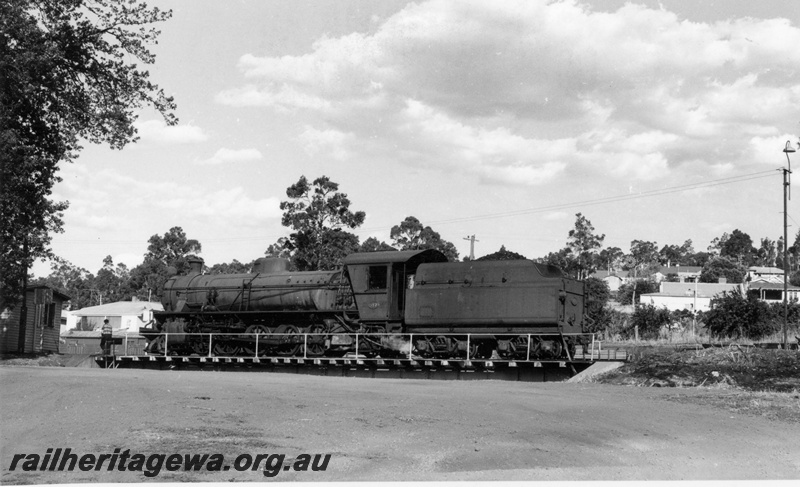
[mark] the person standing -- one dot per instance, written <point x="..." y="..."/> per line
<point x="106" y="337"/>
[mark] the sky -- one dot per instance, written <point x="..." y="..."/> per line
<point x="659" y="121"/>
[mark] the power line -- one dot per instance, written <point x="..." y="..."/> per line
<point x="613" y="199"/>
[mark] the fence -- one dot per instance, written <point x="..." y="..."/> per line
<point x="261" y="345"/>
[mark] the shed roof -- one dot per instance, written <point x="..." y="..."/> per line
<point x="56" y="292"/>
<point x="120" y="308"/>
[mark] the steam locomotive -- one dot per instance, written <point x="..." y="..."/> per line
<point x="379" y="304"/>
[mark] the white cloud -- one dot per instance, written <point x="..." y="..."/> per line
<point x="158" y="131"/>
<point x="495" y="155"/>
<point x="645" y="167"/>
<point x="283" y="99"/>
<point x="328" y="141"/>
<point x="226" y="156"/>
<point x="769" y="150"/>
<point x="520" y="91"/>
<point x="95" y="199"/>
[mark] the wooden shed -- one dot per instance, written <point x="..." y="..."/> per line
<point x="39" y="331"/>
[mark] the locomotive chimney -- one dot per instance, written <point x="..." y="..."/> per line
<point x="195" y="265"/>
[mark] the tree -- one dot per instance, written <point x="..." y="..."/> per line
<point x="649" y="320"/>
<point x="643" y="256"/>
<point x="674" y="255"/>
<point x="563" y="259"/>
<point x="597" y="296"/>
<point x="410" y="234"/>
<point x="767" y="253"/>
<point x="738" y="246"/>
<point x="372" y="244"/>
<point x="113" y="284"/>
<point x="719" y="267"/>
<point x="734" y="315"/>
<point x="793" y="251"/>
<point x="503" y="254"/>
<point x="610" y="258"/>
<point x="716" y="245"/>
<point x="279" y="249"/>
<point x="584" y="245"/>
<point x="68" y="70"/>
<point x="234" y="267"/>
<point x="173" y="250"/>
<point x="636" y="287"/>
<point x="697" y="259"/>
<point x="794" y="279"/>
<point x="314" y="212"/>
<point x="75" y="282"/>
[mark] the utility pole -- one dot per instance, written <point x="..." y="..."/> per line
<point x="786" y="195"/>
<point x="23" y="311"/>
<point x="472" y="241"/>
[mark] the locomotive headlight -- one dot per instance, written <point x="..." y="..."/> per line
<point x="562" y="295"/>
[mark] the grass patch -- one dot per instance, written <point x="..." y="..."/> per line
<point x="739" y="378"/>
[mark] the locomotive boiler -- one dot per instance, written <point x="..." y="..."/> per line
<point x="379" y="304"/>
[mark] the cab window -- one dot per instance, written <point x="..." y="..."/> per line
<point x="377" y="277"/>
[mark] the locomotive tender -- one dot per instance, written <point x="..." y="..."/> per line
<point x="379" y="304"/>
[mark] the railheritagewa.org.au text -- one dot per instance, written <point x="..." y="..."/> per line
<point x="152" y="464"/>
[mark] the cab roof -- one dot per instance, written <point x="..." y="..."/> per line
<point x="386" y="257"/>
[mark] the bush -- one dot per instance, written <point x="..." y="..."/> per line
<point x="608" y="322"/>
<point x="650" y="320"/>
<point x="641" y="286"/>
<point x="723" y="267"/>
<point x="597" y="295"/>
<point x="733" y="315"/>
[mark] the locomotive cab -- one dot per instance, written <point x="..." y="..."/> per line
<point x="380" y="281"/>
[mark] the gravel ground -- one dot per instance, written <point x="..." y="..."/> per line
<point x="385" y="429"/>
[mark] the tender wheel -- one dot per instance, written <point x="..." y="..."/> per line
<point x="482" y="350"/>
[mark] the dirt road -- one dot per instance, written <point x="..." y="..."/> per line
<point x="382" y="429"/>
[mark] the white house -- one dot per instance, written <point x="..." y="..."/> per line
<point x="686" y="273"/>
<point x="765" y="274"/>
<point x="614" y="279"/>
<point x="123" y="315"/>
<point x="687" y="295"/>
<point x="772" y="292"/>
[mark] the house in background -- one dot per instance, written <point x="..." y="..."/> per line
<point x="124" y="316"/>
<point x="684" y="273"/>
<point x="82" y="334"/>
<point x="692" y="296"/>
<point x="772" y="292"/>
<point x="614" y="279"/>
<point x="765" y="274"/>
<point x="40" y="332"/>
